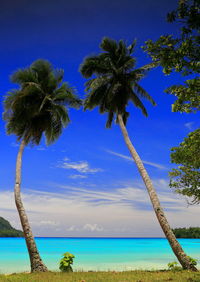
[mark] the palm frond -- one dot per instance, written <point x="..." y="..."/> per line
<point x="131" y="47"/>
<point x="110" y="119"/>
<point x="137" y="102"/>
<point x="143" y="93"/>
<point x="121" y="49"/>
<point x="59" y="74"/>
<point x="95" y="97"/>
<point x="150" y="66"/>
<point x="138" y="74"/>
<point x="108" y="45"/>
<point x="10" y="98"/>
<point x="113" y="91"/>
<point x="92" y="65"/>
<point x="100" y="81"/>
<point x="62" y="113"/>
<point x="22" y="76"/>
<point x="126" y="64"/>
<point x="54" y="130"/>
<point x="42" y="67"/>
<point x="125" y="117"/>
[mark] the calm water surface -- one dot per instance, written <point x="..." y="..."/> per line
<point x="95" y="253"/>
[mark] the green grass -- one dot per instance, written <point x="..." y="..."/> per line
<point x="131" y="276"/>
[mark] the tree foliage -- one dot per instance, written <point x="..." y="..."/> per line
<point x="116" y="81"/>
<point x="6" y="230"/>
<point x="39" y="104"/>
<point x="191" y="232"/>
<point x="181" y="54"/>
<point x="186" y="178"/>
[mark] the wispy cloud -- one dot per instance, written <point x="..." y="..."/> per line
<point x="46" y="223"/>
<point x="189" y="125"/>
<point x="13" y="144"/>
<point x="126" y="195"/>
<point x="76" y="211"/>
<point x="92" y="227"/>
<point x="120" y="155"/>
<point x="156" y="165"/>
<point x="76" y="176"/>
<point x="80" y="166"/>
<point x="40" y="148"/>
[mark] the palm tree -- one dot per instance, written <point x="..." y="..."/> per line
<point x="114" y="83"/>
<point x="37" y="107"/>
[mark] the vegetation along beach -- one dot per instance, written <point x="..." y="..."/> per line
<point x="100" y="140"/>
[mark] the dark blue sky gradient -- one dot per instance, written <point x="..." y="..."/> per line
<point x="64" y="32"/>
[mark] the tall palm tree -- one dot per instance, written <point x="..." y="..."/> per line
<point x="38" y="106"/>
<point x="115" y="83"/>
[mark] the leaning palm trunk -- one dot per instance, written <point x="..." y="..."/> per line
<point x="37" y="264"/>
<point x="176" y="247"/>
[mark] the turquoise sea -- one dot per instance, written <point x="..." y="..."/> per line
<point x="95" y="253"/>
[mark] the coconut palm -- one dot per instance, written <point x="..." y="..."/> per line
<point x="114" y="83"/>
<point x="38" y="106"/>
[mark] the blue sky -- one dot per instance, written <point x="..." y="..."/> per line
<point x="85" y="184"/>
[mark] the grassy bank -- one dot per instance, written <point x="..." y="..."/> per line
<point x="132" y="276"/>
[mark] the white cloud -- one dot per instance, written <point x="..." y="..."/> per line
<point x="45" y="222"/>
<point x="80" y="166"/>
<point x="75" y="176"/>
<point x="72" y="228"/>
<point x="189" y="125"/>
<point x="116" y="196"/>
<point x="123" y="211"/>
<point x="120" y="155"/>
<point x="13" y="144"/>
<point x="40" y="148"/>
<point x="156" y="165"/>
<point x="92" y="227"/>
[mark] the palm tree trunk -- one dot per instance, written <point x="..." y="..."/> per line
<point x="176" y="247"/>
<point x="36" y="262"/>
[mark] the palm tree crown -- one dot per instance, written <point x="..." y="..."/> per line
<point x="116" y="81"/>
<point x="38" y="106"/>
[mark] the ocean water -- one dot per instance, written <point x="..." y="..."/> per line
<point x="95" y="253"/>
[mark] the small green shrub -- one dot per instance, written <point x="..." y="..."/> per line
<point x="174" y="266"/>
<point x="192" y="261"/>
<point x="65" y="262"/>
